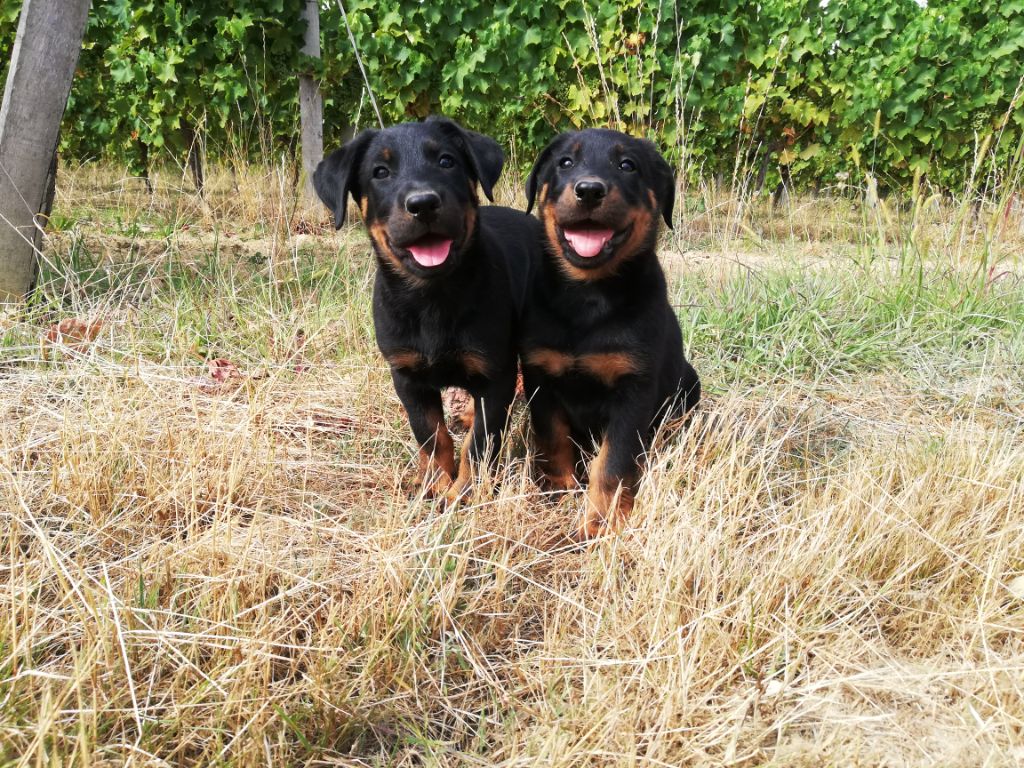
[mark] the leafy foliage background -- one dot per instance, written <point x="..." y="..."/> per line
<point x="850" y="87"/>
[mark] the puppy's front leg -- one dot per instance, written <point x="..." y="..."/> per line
<point x="555" y="454"/>
<point x="615" y="473"/>
<point x="483" y="441"/>
<point x="426" y="417"/>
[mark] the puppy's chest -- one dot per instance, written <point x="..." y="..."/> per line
<point x="584" y="356"/>
<point x="437" y="351"/>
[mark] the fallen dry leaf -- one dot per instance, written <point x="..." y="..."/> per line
<point x="71" y="333"/>
<point x="323" y="422"/>
<point x="459" y="404"/>
<point x="221" y="370"/>
<point x="305" y="227"/>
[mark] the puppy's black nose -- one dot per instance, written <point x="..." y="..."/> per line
<point x="590" y="192"/>
<point x="423" y="205"/>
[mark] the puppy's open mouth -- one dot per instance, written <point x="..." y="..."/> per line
<point x="588" y="240"/>
<point x="430" y="250"/>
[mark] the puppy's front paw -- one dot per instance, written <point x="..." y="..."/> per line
<point x="459" y="491"/>
<point x="436" y="484"/>
<point x="558" y="485"/>
<point x="607" y="511"/>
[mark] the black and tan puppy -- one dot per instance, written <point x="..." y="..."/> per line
<point x="451" y="278"/>
<point x="602" y="351"/>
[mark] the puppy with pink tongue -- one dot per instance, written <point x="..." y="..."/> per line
<point x="602" y="349"/>
<point x="451" y="280"/>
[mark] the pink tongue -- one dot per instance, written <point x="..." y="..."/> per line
<point x="430" y="252"/>
<point x="588" y="242"/>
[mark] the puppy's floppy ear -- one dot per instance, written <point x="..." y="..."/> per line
<point x="485" y="155"/>
<point x="337" y="176"/>
<point x="542" y="160"/>
<point x="663" y="180"/>
<point x="488" y="160"/>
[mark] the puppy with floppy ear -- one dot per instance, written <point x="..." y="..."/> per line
<point x="602" y="350"/>
<point x="450" y="283"/>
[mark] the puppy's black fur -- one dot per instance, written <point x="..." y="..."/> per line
<point x="451" y="278"/>
<point x="602" y="351"/>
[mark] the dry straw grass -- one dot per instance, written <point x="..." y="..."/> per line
<point x="821" y="572"/>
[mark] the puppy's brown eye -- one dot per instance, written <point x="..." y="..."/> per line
<point x="446" y="161"/>
<point x="627" y="165"/>
<point x="566" y="162"/>
<point x="380" y="172"/>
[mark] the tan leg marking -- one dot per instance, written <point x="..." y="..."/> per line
<point x="557" y="456"/>
<point x="437" y="463"/>
<point x="460" y="486"/>
<point x="609" y="500"/>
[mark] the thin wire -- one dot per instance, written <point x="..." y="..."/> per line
<point x="359" y="61"/>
